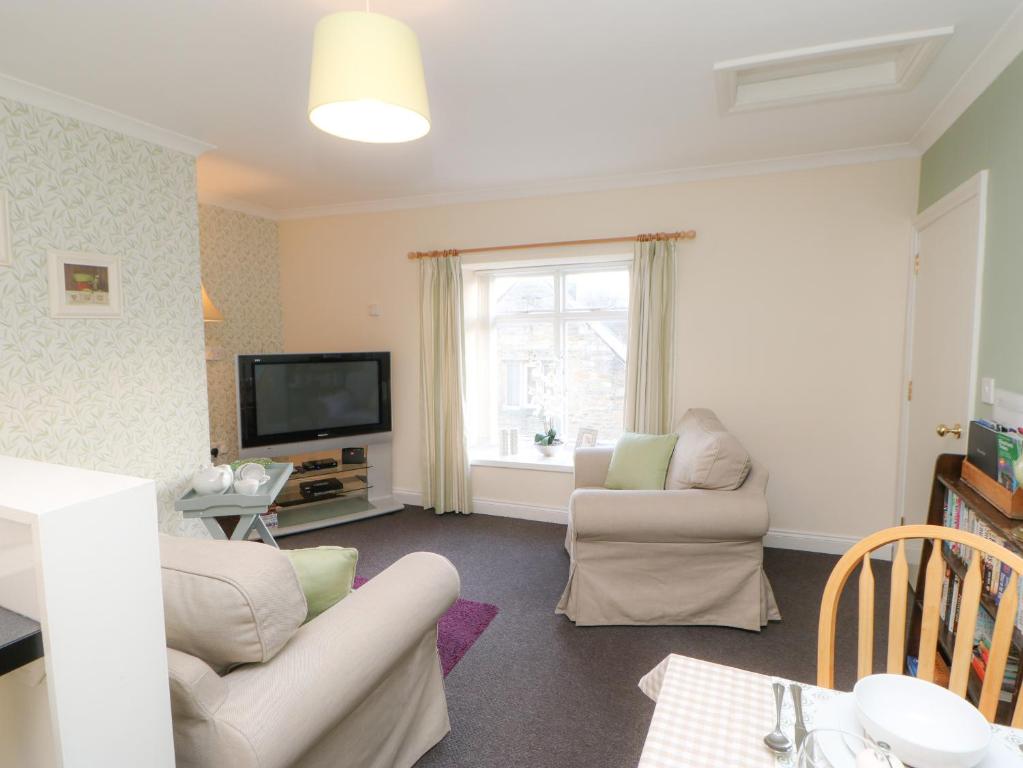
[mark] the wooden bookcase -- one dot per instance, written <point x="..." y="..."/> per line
<point x="947" y="476"/>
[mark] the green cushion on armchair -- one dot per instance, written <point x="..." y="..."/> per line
<point x="640" y="462"/>
<point x="326" y="575"/>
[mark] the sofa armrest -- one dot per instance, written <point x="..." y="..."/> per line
<point x="197" y="691"/>
<point x="668" y="516"/>
<point x="591" y="465"/>
<point x="334" y="662"/>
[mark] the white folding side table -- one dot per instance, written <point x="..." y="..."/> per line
<point x="210" y="506"/>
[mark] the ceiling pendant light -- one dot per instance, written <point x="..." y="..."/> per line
<point x="367" y="79"/>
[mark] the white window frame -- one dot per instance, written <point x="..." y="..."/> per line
<point x="488" y="380"/>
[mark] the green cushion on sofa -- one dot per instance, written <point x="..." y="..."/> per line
<point x="640" y="462"/>
<point x="325" y="573"/>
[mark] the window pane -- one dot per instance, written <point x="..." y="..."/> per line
<point x="529" y="349"/>
<point x="522" y="293"/>
<point x="512" y="382"/>
<point x="597" y="290"/>
<point x="595" y="377"/>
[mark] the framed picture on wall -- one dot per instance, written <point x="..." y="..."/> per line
<point x="6" y="257"/>
<point x="84" y="285"/>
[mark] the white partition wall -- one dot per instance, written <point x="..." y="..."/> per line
<point x="86" y="565"/>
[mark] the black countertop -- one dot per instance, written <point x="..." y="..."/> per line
<point x="21" y="641"/>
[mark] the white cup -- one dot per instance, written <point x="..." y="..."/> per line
<point x="246" y="486"/>
<point x="252" y="472"/>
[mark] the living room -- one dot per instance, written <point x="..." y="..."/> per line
<point x="693" y="240"/>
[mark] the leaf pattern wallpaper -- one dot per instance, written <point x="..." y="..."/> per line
<point x="126" y="394"/>
<point x="241" y="272"/>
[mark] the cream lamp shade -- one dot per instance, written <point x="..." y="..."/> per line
<point x="210" y="313"/>
<point x="367" y="79"/>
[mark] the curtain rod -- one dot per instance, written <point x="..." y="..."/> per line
<point x="683" y="235"/>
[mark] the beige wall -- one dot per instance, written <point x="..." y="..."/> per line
<point x="791" y="313"/>
<point x="241" y="272"/>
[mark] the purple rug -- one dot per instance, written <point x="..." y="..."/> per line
<point x="457" y="629"/>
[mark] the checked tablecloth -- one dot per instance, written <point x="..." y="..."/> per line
<point x="712" y="716"/>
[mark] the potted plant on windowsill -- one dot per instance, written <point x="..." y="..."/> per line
<point x="547" y="443"/>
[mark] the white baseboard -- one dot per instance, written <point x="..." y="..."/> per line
<point x="520" y="511"/>
<point x="805" y="541"/>
<point x="778" y="538"/>
<point x="406" y="496"/>
<point x="496" y="508"/>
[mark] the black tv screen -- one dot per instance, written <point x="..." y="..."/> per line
<point x="297" y="398"/>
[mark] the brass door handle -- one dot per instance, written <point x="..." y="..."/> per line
<point x="956" y="431"/>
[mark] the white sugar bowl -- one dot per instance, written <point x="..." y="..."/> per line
<point x="209" y="479"/>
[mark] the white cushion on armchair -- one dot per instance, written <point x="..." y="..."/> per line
<point x="228" y="602"/>
<point x="706" y="455"/>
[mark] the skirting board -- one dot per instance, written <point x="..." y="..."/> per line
<point x="776" y="537"/>
<point x="828" y="544"/>
<point x="496" y="508"/>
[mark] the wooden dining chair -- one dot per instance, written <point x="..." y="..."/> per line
<point x="859" y="555"/>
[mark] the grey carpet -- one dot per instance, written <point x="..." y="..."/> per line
<point x="535" y="690"/>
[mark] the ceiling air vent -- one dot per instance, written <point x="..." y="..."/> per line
<point x="838" y="70"/>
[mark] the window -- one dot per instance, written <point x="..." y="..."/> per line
<point x="550" y="347"/>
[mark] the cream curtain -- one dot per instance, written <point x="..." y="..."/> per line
<point x="445" y="470"/>
<point x="649" y="381"/>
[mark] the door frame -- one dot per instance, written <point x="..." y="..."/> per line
<point x="974" y="187"/>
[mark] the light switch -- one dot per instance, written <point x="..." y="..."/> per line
<point x="987" y="391"/>
<point x="374" y="310"/>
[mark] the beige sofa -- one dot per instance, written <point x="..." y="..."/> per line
<point x="359" y="686"/>
<point x="676" y="556"/>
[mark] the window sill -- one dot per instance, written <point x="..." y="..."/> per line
<point x="562" y="461"/>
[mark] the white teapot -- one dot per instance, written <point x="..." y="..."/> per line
<point x="209" y="479"/>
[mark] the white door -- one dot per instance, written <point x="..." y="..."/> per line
<point x="942" y="335"/>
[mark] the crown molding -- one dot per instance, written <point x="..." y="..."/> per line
<point x="44" y="98"/>
<point x="604" y="183"/>
<point x="240" y="206"/>
<point x="998" y="54"/>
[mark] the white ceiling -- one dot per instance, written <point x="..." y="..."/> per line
<point x="522" y="92"/>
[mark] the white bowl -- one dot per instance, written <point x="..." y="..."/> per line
<point x="923" y="723"/>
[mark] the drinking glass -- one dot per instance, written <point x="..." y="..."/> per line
<point x="833" y="748"/>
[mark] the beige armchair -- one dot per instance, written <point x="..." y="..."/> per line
<point x="679" y="557"/>
<point x="359" y="686"/>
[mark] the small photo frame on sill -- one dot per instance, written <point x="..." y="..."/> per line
<point x="84" y="284"/>
<point x="6" y="256"/>
<point x="587" y="438"/>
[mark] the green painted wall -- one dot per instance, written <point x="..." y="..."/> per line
<point x="990" y="135"/>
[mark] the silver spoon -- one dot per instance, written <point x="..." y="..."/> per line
<point x="777" y="741"/>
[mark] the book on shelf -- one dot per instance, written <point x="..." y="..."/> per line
<point x="941" y="669"/>
<point x="981" y="650"/>
<point x="1010" y="448"/>
<point x="995" y="574"/>
<point x="995" y="577"/>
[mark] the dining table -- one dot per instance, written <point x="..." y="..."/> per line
<point x="710" y="715"/>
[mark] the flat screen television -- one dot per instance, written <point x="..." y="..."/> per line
<point x="306" y="397"/>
